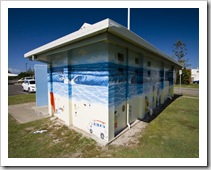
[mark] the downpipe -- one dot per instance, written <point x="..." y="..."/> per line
<point x="128" y="124"/>
<point x="169" y="97"/>
<point x="150" y="111"/>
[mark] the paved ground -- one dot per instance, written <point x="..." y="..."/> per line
<point x="130" y="136"/>
<point x="15" y="89"/>
<point x="187" y="91"/>
<point x="27" y="112"/>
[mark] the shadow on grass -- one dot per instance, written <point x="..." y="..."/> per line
<point x="148" y="118"/>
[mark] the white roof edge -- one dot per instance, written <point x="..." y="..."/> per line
<point x="123" y="31"/>
<point x="112" y="26"/>
<point x="70" y="37"/>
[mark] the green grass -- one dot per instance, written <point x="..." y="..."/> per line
<point x="173" y="134"/>
<point x="187" y="86"/>
<point x="58" y="141"/>
<point x="21" y="98"/>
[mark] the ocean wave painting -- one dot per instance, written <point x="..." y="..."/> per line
<point x="90" y="80"/>
<point x="105" y="83"/>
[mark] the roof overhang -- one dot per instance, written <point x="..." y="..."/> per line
<point x="12" y="75"/>
<point x="106" y="25"/>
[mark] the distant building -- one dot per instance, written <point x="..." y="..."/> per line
<point x="195" y="75"/>
<point x="103" y="77"/>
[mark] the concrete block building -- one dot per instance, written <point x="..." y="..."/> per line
<point x="103" y="77"/>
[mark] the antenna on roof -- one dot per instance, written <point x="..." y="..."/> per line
<point x="128" y="18"/>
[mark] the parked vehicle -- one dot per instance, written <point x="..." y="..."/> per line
<point x="25" y="78"/>
<point x="29" y="85"/>
<point x="196" y="82"/>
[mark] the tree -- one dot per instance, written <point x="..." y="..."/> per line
<point x="180" y="51"/>
<point x="29" y="73"/>
<point x="185" y="77"/>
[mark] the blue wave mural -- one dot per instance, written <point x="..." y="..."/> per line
<point x="106" y="82"/>
<point x="90" y="80"/>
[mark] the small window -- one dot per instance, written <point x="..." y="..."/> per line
<point x="149" y="64"/>
<point x="137" y="61"/>
<point x="149" y="73"/>
<point x="120" y="57"/>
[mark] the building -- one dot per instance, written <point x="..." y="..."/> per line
<point x="103" y="77"/>
<point x="195" y="75"/>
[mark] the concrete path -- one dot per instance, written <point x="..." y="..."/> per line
<point x="28" y="112"/>
<point x="130" y="136"/>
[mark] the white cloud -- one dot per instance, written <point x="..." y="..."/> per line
<point x="13" y="70"/>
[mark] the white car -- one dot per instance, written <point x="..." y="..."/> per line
<point x="25" y="78"/>
<point x="29" y="85"/>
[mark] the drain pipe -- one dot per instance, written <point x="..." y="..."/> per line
<point x="169" y="97"/>
<point x="128" y="107"/>
<point x="150" y="111"/>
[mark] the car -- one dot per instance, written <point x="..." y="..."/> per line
<point x="25" y="78"/>
<point x="29" y="85"/>
<point x="196" y="82"/>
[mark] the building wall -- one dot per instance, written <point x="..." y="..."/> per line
<point x="93" y="86"/>
<point x="78" y="82"/>
<point x="195" y="74"/>
<point x="138" y="79"/>
<point x="89" y="88"/>
<point x="58" y="88"/>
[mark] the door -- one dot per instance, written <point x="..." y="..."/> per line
<point x="120" y="99"/>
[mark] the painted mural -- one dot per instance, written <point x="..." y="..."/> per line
<point x="87" y="92"/>
<point x="96" y="87"/>
<point x="89" y="96"/>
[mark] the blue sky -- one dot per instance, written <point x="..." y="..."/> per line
<point x="30" y="28"/>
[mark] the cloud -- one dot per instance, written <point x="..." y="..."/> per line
<point x="13" y="70"/>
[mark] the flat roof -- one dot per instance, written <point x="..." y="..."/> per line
<point x="106" y="25"/>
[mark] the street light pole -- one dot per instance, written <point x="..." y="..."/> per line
<point x="180" y="73"/>
<point x="26" y="67"/>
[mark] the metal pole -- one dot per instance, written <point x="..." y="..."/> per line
<point x="26" y="67"/>
<point x="128" y="19"/>
<point x="180" y="83"/>
<point x="180" y="73"/>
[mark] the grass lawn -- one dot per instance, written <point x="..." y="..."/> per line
<point x="21" y="98"/>
<point x="187" y="86"/>
<point x="173" y="134"/>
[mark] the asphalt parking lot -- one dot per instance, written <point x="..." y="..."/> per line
<point x="15" y="89"/>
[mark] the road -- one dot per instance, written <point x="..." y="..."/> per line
<point x="15" y="89"/>
<point x="187" y="91"/>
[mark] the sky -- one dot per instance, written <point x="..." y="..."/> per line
<point x="29" y="28"/>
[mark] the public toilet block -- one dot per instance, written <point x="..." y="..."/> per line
<point x="103" y="77"/>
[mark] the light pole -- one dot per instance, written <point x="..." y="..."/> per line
<point x="26" y="67"/>
<point x="180" y="73"/>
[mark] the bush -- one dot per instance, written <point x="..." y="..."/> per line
<point x="185" y="77"/>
